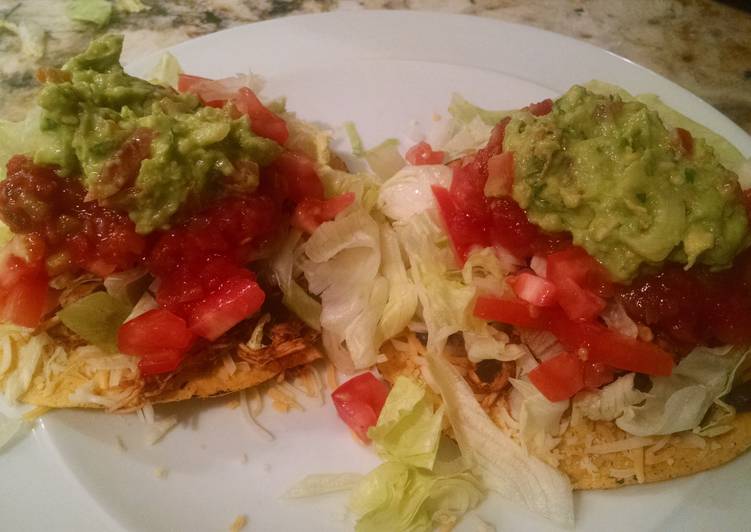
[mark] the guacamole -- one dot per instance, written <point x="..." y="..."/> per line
<point x="611" y="174"/>
<point x="141" y="147"/>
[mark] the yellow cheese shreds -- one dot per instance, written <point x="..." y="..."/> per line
<point x="238" y="524"/>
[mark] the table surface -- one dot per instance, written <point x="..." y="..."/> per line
<point x="703" y="45"/>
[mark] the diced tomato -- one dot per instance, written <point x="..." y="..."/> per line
<point x="422" y="153"/>
<point x="262" y="121"/>
<point x="154" y="332"/>
<point x="541" y="108"/>
<point x="310" y="213"/>
<point x="559" y="378"/>
<point x="510" y="227"/>
<point x="685" y="140"/>
<point x="494" y="145"/>
<point x="359" y="402"/>
<point x="463" y="229"/>
<point x="293" y="176"/>
<point x="577" y="302"/>
<point x="160" y="362"/>
<point x="500" y="174"/>
<point x="213" y="93"/>
<point x="511" y="311"/>
<point x="597" y="375"/>
<point x="611" y="348"/>
<point x="236" y="299"/>
<point x="579" y="279"/>
<point x="23" y="282"/>
<point x="533" y="289"/>
<point x="185" y="82"/>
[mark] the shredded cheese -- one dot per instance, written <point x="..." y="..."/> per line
<point x="250" y="416"/>
<point x="160" y="472"/>
<point x="331" y="379"/>
<point x="618" y="446"/>
<point x="238" y="524"/>
<point x="39" y="411"/>
<point x="637" y="455"/>
<point x="280" y="394"/>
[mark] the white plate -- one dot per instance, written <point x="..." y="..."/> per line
<point x="380" y="70"/>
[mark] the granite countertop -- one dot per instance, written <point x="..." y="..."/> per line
<point x="703" y="45"/>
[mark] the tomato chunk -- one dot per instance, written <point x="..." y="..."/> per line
<point x="685" y="140"/>
<point x="160" y="362"/>
<point x="359" y="402"/>
<point x="511" y="311"/>
<point x="293" y="176"/>
<point x="422" y="153"/>
<point x="236" y="299"/>
<point x="541" y="108"/>
<point x="262" y="121"/>
<point x="597" y="375"/>
<point x="154" y="332"/>
<point x="611" y="348"/>
<point x="559" y="377"/>
<point x="463" y="229"/>
<point x="579" y="278"/>
<point x="310" y="212"/>
<point x="533" y="289"/>
<point x="500" y="174"/>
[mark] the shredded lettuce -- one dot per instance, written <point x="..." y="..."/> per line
<point x="95" y="11"/>
<point x="295" y="297"/>
<point x="342" y="261"/>
<point x="408" y="430"/>
<point x="385" y="160"/>
<point x="355" y="141"/>
<point x="465" y="112"/>
<point x="167" y="71"/>
<point x="408" y="191"/>
<point x="26" y="351"/>
<point x="321" y="484"/>
<point x="397" y="496"/>
<point x="33" y="37"/>
<point x="96" y="318"/>
<point x="681" y="401"/>
<point x="609" y="402"/>
<point x="402" y="299"/>
<point x="26" y="137"/>
<point x="539" y="419"/>
<point x="502" y="464"/>
<point x="128" y="286"/>
<point x="306" y="138"/>
<point x="445" y="301"/>
<point x="131" y="6"/>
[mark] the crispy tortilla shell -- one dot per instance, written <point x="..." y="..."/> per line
<point x="221" y="368"/>
<point x="681" y="455"/>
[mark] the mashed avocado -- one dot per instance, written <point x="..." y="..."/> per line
<point x="103" y="118"/>
<point x="610" y="173"/>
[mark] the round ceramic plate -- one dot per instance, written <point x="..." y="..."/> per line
<point x="391" y="73"/>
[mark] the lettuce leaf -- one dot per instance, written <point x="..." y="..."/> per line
<point x="444" y="299"/>
<point x="342" y="261"/>
<point x="385" y="160"/>
<point x="27" y="138"/>
<point x="539" y="418"/>
<point x="466" y="112"/>
<point x="320" y="484"/>
<point x="408" y="191"/>
<point x="402" y="299"/>
<point x="397" y="496"/>
<point x="680" y="402"/>
<point x="502" y="464"/>
<point x="609" y="402"/>
<point x="95" y="11"/>
<point x="96" y="318"/>
<point x="408" y="430"/>
<point x="167" y="71"/>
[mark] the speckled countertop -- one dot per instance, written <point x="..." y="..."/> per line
<point x="702" y="45"/>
